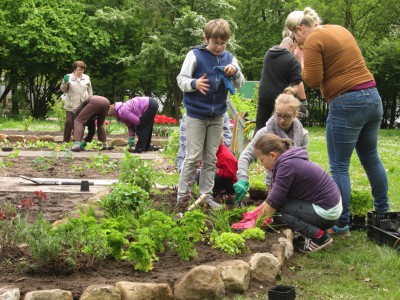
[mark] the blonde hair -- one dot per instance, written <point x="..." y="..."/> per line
<point x="287" y="98"/>
<point x="270" y="142"/>
<point x="218" y="28"/>
<point x="306" y="17"/>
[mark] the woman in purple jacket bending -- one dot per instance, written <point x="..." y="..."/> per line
<point x="302" y="192"/>
<point x="138" y="115"/>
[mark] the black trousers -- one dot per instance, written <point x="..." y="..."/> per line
<point x="264" y="112"/>
<point x="145" y="129"/>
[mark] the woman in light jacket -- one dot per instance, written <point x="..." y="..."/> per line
<point x="78" y="88"/>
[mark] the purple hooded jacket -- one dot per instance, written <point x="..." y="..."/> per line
<point x="294" y="176"/>
<point x="131" y="111"/>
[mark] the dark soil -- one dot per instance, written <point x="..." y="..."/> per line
<point x="168" y="269"/>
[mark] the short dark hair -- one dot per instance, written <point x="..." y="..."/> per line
<point x="79" y="64"/>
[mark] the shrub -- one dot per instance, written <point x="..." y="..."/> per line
<point x="361" y="202"/>
<point x="132" y="170"/>
<point x="126" y="197"/>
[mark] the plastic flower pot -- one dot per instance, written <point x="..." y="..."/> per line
<point x="282" y="292"/>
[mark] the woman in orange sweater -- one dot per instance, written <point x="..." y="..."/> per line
<point x="332" y="61"/>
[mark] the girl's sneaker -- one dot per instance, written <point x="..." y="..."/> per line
<point x="340" y="231"/>
<point x="313" y="245"/>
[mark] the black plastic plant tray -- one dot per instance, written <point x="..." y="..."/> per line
<point x="384" y="229"/>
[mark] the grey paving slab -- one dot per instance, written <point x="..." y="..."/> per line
<point x="16" y="184"/>
<point x="24" y="153"/>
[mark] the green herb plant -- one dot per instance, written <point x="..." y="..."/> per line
<point x="27" y="122"/>
<point x="133" y="170"/>
<point x="229" y="242"/>
<point x="126" y="197"/>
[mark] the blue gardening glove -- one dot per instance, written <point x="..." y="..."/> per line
<point x="131" y="141"/>
<point x="241" y="187"/>
<point x="226" y="80"/>
<point x="66" y="78"/>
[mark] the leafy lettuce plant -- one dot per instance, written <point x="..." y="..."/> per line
<point x="229" y="242"/>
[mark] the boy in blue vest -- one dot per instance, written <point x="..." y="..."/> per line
<point x="205" y="97"/>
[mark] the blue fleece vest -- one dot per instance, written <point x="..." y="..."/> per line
<point x="212" y="104"/>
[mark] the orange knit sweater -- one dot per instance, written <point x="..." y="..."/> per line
<point x="333" y="61"/>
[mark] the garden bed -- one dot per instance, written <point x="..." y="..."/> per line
<point x="18" y="268"/>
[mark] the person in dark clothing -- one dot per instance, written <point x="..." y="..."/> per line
<point x="90" y="111"/>
<point x="302" y="192"/>
<point x="280" y="70"/>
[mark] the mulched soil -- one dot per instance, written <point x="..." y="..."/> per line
<point x="168" y="269"/>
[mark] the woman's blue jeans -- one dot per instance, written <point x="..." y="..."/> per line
<point x="353" y="122"/>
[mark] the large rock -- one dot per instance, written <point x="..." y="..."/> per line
<point x="31" y="138"/>
<point x="101" y="292"/>
<point x="235" y="274"/>
<point x="46" y="138"/>
<point x="200" y="283"/>
<point x="119" y="142"/>
<point x="15" y="138"/>
<point x="9" y="293"/>
<point x="3" y="137"/>
<point x="264" y="267"/>
<point x="288" y="245"/>
<point x="49" y="295"/>
<point x="144" y="291"/>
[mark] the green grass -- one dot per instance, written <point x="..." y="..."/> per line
<point x="52" y="125"/>
<point x="356" y="267"/>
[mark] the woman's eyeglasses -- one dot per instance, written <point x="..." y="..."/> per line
<point x="285" y="117"/>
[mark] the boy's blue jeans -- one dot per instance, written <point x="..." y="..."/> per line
<point x="203" y="138"/>
<point x="353" y="122"/>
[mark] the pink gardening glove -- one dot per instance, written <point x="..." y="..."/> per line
<point x="250" y="218"/>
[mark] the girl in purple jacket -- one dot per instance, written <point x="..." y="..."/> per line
<point x="138" y="115"/>
<point x="302" y="192"/>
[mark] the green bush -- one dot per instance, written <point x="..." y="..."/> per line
<point x="361" y="202"/>
<point x="126" y="197"/>
<point x="133" y="170"/>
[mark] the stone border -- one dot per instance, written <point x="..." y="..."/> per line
<point x="202" y="282"/>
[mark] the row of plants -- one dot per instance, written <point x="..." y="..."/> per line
<point x="130" y="229"/>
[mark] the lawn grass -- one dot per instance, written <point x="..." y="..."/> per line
<point x="52" y="125"/>
<point x="354" y="267"/>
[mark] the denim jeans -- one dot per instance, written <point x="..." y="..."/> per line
<point x="353" y="122"/>
<point x="202" y="141"/>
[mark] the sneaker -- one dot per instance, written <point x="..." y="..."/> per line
<point x="76" y="149"/>
<point x="313" y="245"/>
<point x="134" y="150"/>
<point x="214" y="205"/>
<point x="153" y="148"/>
<point x="340" y="231"/>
